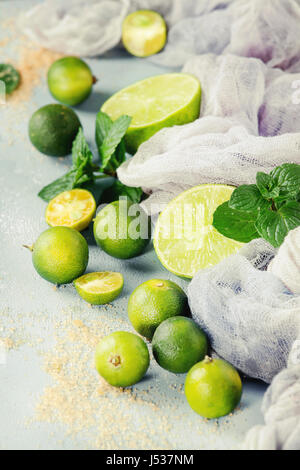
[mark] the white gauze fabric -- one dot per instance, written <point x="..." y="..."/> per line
<point x="281" y="409"/>
<point x="91" y="28"/>
<point x="249" y="122"/>
<point x="253" y="322"/>
<point x="250" y="316"/>
<point x="266" y="29"/>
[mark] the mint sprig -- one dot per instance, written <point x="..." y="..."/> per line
<point x="84" y="173"/>
<point x="110" y="143"/>
<point x="268" y="209"/>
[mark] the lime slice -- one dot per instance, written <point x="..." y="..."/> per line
<point x="185" y="240"/>
<point x="144" y="33"/>
<point x="99" y="288"/>
<point x="74" y="209"/>
<point x="161" y="101"/>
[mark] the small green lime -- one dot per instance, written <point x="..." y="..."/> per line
<point x="99" y="288"/>
<point x="10" y="77"/>
<point x="53" y="128"/>
<point x="60" y="255"/>
<point x="213" y="388"/>
<point x="153" y="302"/>
<point x="70" y="80"/>
<point x="178" y="344"/>
<point x="122" y="229"/>
<point x="122" y="359"/>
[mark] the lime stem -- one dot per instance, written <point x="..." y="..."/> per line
<point x="95" y="80"/>
<point x="115" y="360"/>
<point x="207" y="360"/>
<point x="29" y="247"/>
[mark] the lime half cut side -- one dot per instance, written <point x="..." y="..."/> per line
<point x="74" y="208"/>
<point x="144" y="33"/>
<point x="185" y="240"/>
<point x="154" y="103"/>
<point x="99" y="288"/>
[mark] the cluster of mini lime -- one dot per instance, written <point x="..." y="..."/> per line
<point x="157" y="309"/>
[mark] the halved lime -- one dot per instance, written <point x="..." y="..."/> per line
<point x="74" y="208"/>
<point x="144" y="32"/>
<point x="99" y="288"/>
<point x="161" y="101"/>
<point x="185" y="240"/>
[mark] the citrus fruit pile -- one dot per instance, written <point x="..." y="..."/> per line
<point x="184" y="240"/>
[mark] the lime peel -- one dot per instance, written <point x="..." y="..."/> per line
<point x="154" y="103"/>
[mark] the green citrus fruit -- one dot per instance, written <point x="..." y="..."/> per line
<point x="153" y="302"/>
<point x="53" y="128"/>
<point x="122" y="229"/>
<point x="122" y="359"/>
<point x="185" y="240"/>
<point x="144" y="32"/>
<point x="10" y="77"/>
<point x="157" y="102"/>
<point x="178" y="344"/>
<point x="60" y="255"/>
<point x="99" y="288"/>
<point x="213" y="388"/>
<point x="70" y="80"/>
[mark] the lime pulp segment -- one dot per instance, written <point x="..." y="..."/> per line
<point x="157" y="102"/>
<point x="185" y="240"/>
<point x="100" y="287"/>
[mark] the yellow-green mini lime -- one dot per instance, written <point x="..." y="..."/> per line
<point x="122" y="229"/>
<point x="153" y="302"/>
<point x="60" y="255"/>
<point x="213" y="388"/>
<point x="70" y="80"/>
<point x="99" y="288"/>
<point x="178" y="344"/>
<point x="144" y="33"/>
<point x="122" y="359"/>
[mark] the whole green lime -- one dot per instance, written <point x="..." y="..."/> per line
<point x="122" y="229"/>
<point x="213" y="388"/>
<point x="178" y="344"/>
<point x="153" y="302"/>
<point x="122" y="359"/>
<point x="60" y="255"/>
<point x="53" y="128"/>
<point x="70" y="80"/>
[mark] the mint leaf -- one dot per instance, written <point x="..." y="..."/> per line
<point x="119" y="189"/>
<point x="247" y="198"/>
<point x="80" y="173"/>
<point x="274" y="226"/>
<point x="65" y="183"/>
<point x="81" y="150"/>
<point x="109" y="138"/>
<point x="286" y="179"/>
<point x="238" y="225"/>
<point x="103" y="126"/>
<point x="264" y="183"/>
